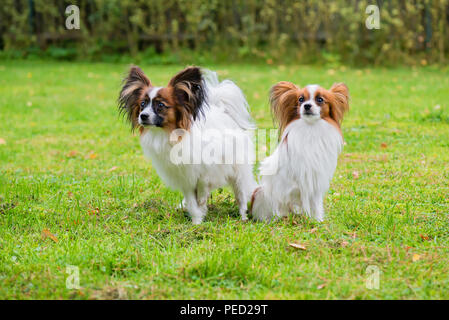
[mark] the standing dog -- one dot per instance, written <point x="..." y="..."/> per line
<point x="297" y="175"/>
<point x="195" y="115"/>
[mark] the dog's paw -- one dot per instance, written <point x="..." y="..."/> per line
<point x="197" y="220"/>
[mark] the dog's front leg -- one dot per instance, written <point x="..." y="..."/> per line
<point x="193" y="208"/>
<point x="202" y="194"/>
<point x="318" y="208"/>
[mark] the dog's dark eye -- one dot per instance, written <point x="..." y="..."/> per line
<point x="301" y="99"/>
<point x="142" y="104"/>
<point x="319" y="100"/>
<point x="159" y="106"/>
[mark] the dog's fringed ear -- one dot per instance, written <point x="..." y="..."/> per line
<point x="134" y="87"/>
<point x="283" y="100"/>
<point x="339" y="103"/>
<point x="189" y="90"/>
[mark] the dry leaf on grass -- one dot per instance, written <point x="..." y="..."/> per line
<point x="113" y="168"/>
<point x="2" y="141"/>
<point x="72" y="153"/>
<point x="321" y="286"/>
<point x="355" y="174"/>
<point x="416" y="257"/>
<point x="47" y="234"/>
<point x="92" y="155"/>
<point x="383" y="145"/>
<point x="297" y="246"/>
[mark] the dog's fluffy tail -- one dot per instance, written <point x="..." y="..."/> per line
<point x="227" y="95"/>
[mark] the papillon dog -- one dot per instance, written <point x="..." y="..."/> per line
<point x="192" y="115"/>
<point x="296" y="177"/>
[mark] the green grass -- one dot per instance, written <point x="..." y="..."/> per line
<point x="70" y="165"/>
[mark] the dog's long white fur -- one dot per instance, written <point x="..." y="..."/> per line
<point x="303" y="165"/>
<point x="227" y="110"/>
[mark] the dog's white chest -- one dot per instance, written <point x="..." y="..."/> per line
<point x="310" y="152"/>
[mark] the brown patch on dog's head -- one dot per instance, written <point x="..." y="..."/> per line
<point x="333" y="103"/>
<point x="134" y="90"/>
<point x="284" y="103"/>
<point x="338" y="101"/>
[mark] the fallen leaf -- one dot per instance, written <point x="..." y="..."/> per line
<point x="113" y="168"/>
<point x="416" y="257"/>
<point x="424" y="237"/>
<point x="297" y="246"/>
<point x="2" y="141"/>
<point x="70" y="194"/>
<point x="47" y="234"/>
<point x="344" y="243"/>
<point x="313" y="230"/>
<point x="72" y="153"/>
<point x="92" y="155"/>
<point x="321" y="286"/>
<point x="383" y="145"/>
<point x="355" y="174"/>
<point x="269" y="61"/>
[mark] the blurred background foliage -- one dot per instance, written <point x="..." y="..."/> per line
<point x="269" y="31"/>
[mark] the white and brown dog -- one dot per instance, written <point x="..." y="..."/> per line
<point x="296" y="177"/>
<point x="192" y="114"/>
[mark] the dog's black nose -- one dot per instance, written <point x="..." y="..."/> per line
<point x="307" y="107"/>
<point x="144" y="116"/>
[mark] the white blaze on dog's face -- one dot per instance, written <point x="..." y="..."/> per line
<point x="148" y="115"/>
<point x="310" y="103"/>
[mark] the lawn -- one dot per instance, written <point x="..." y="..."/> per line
<point x="75" y="190"/>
